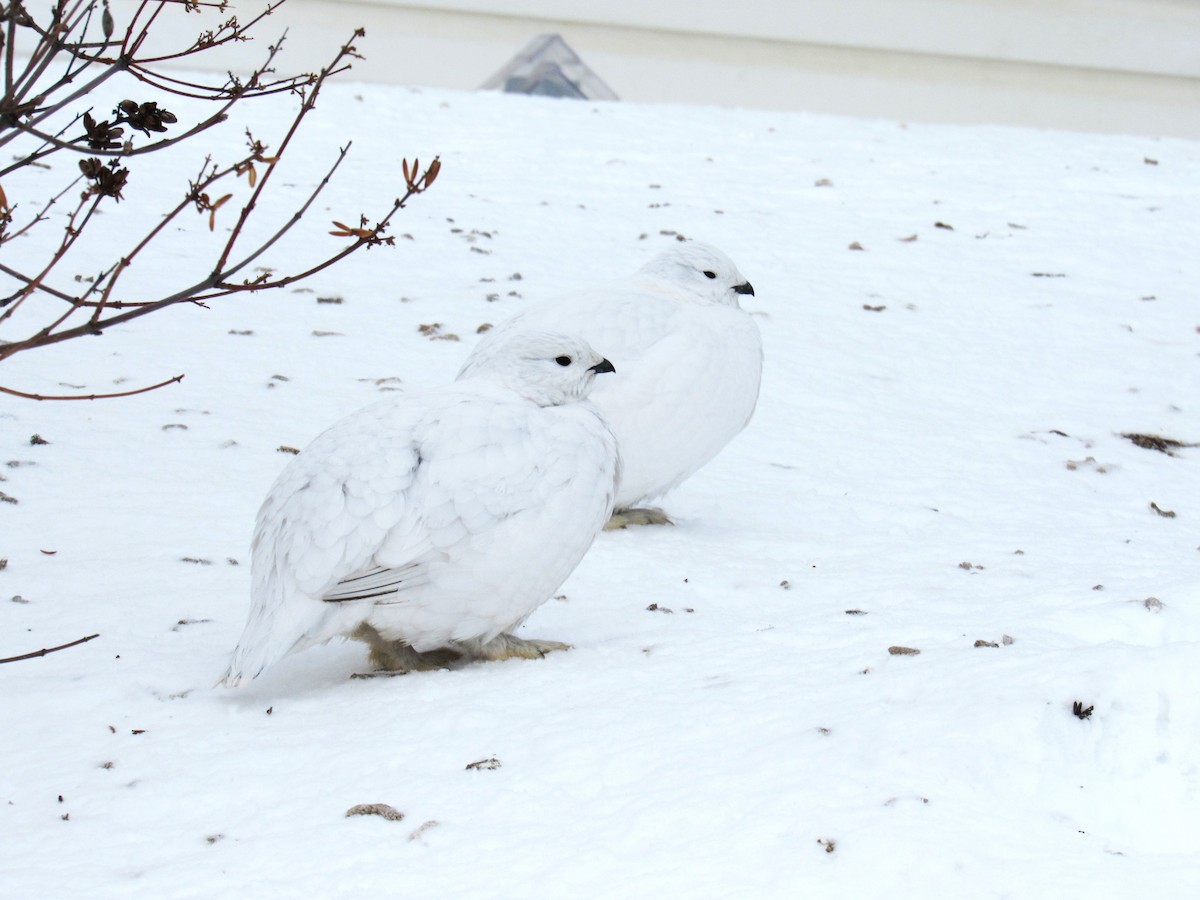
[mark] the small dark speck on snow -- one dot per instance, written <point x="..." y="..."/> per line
<point x="424" y="827"/>
<point x="375" y="809"/>
<point x="1165" y="513"/>
<point x="1156" y="442"/>
<point x="484" y="764"/>
<point x="183" y="622"/>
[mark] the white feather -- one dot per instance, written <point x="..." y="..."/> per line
<point x="439" y="516"/>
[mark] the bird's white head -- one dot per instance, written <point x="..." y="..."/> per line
<point x="702" y="271"/>
<point x="548" y="368"/>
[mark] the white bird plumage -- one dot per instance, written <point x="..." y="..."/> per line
<point x="688" y="361"/>
<point x="436" y="519"/>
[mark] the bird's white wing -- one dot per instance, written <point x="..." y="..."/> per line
<point x="680" y="401"/>
<point x="510" y="495"/>
<point x="621" y="321"/>
<point x="323" y="520"/>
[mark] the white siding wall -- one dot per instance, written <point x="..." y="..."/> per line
<point x="1099" y="65"/>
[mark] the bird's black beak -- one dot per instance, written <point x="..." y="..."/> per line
<point x="746" y="288"/>
<point x="603" y="366"/>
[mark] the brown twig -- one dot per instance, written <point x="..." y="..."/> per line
<point x="35" y="654"/>
<point x="310" y="102"/>
<point x="153" y="387"/>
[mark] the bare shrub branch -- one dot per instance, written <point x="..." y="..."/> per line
<point x="76" y="48"/>
<point x="36" y="653"/>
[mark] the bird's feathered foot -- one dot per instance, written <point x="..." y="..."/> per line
<point x="507" y="646"/>
<point x="650" y="515"/>
<point x="398" y="658"/>
<point x="395" y="657"/>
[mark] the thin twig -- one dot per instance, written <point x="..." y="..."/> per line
<point x="72" y="233"/>
<point x="58" y="144"/>
<point x="35" y="654"/>
<point x="153" y="387"/>
<point x="309" y="104"/>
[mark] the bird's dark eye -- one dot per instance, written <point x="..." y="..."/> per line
<point x="708" y="274"/>
<point x="563" y="360"/>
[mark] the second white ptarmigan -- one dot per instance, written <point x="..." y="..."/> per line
<point x="431" y="524"/>
<point x="688" y="361"/>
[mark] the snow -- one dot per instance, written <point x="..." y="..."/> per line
<point x="944" y="468"/>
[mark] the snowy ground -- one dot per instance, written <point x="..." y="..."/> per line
<point x="936" y="460"/>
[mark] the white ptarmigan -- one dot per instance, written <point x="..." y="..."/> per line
<point x="688" y="361"/>
<point x="431" y="524"/>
